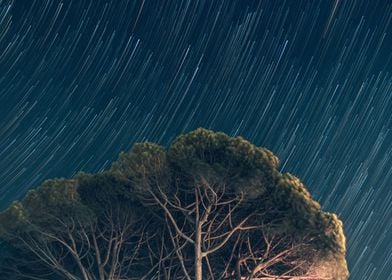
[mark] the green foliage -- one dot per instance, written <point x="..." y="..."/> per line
<point x="42" y="207"/>
<point x="12" y="219"/>
<point x="215" y="149"/>
<point x="96" y="191"/>
<point x="145" y="164"/>
<point x="231" y="166"/>
<point x="242" y="166"/>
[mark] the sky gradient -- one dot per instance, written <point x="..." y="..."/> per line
<point x="82" y="80"/>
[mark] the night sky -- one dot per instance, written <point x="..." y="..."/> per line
<point x="82" y="80"/>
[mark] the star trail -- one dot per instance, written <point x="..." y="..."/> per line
<point x="82" y="80"/>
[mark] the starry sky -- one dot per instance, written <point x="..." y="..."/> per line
<point x="82" y="80"/>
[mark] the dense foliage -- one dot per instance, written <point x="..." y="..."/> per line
<point x="208" y="207"/>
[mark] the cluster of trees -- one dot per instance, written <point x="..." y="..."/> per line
<point x="208" y="207"/>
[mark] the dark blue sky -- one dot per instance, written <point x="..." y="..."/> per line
<point x="81" y="80"/>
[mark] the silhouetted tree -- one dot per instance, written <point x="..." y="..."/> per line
<point x="209" y="207"/>
<point x="81" y="228"/>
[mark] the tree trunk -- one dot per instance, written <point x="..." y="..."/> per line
<point x="198" y="255"/>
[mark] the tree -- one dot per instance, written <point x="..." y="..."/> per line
<point x="209" y="207"/>
<point x="64" y="229"/>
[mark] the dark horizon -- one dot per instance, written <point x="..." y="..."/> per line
<point x="309" y="80"/>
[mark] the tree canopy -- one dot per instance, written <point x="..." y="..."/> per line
<point x="209" y="206"/>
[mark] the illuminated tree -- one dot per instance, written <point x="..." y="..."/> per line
<point x="209" y="207"/>
<point x="228" y="212"/>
